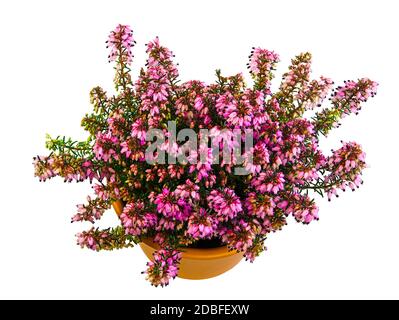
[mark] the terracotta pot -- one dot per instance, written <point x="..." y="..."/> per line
<point x="196" y="263"/>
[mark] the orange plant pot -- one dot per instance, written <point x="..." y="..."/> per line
<point x="196" y="263"/>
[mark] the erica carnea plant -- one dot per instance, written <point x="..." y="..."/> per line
<point x="181" y="203"/>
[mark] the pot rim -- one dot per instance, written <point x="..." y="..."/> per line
<point x="190" y="253"/>
<point x="198" y="253"/>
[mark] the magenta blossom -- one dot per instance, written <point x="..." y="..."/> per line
<point x="163" y="267"/>
<point x="269" y="182"/>
<point x="120" y="42"/>
<point x="201" y="225"/>
<point x="136" y="220"/>
<point x="171" y="206"/>
<point x="106" y="147"/>
<point x="225" y="203"/>
<point x="188" y="190"/>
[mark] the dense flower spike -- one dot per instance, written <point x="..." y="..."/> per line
<point x="225" y="203"/>
<point x="156" y="85"/>
<point x="108" y="239"/>
<point x="269" y="182"/>
<point x="201" y="225"/>
<point x="261" y="65"/>
<point x="302" y="208"/>
<point x="255" y="249"/>
<point x="44" y="167"/>
<point x="345" y="167"/>
<point x="260" y="206"/>
<point x="214" y="188"/>
<point x="188" y="190"/>
<point x="312" y="95"/>
<point x="172" y="206"/>
<point x="163" y="267"/>
<point x="66" y="166"/>
<point x="136" y="220"/>
<point x="106" y="146"/>
<point x="346" y="99"/>
<point x="91" y="211"/>
<point x="296" y="78"/>
<point x="120" y="42"/>
<point x="240" y="237"/>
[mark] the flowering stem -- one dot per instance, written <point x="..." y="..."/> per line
<point x="315" y="187"/>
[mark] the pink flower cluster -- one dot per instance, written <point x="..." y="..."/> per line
<point x="353" y="93"/>
<point x="244" y="111"/>
<point x="108" y="239"/>
<point x="163" y="267"/>
<point x="314" y="93"/>
<point x="201" y="225"/>
<point x="345" y="166"/>
<point x="120" y="41"/>
<point x="135" y="220"/>
<point x="105" y="147"/>
<point x="297" y="75"/>
<point x="85" y="239"/>
<point x="261" y="64"/>
<point x="71" y="169"/>
<point x="225" y="203"/>
<point x="179" y="204"/>
<point x="269" y="181"/>
<point x="240" y="237"/>
<point x="44" y="167"/>
<point x="171" y="206"/>
<point x="301" y="207"/>
<point x="346" y="99"/>
<point x="94" y="210"/>
<point x="156" y="83"/>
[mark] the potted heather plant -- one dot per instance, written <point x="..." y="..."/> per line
<point x="199" y="174"/>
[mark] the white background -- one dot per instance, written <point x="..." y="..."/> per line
<point x="52" y="53"/>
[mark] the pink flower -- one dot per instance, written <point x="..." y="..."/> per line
<point x="352" y="94"/>
<point x="225" y="203"/>
<point x="269" y="182"/>
<point x="345" y="166"/>
<point x="223" y="139"/>
<point x="138" y="130"/>
<point x="94" y="210"/>
<point x="136" y="220"/>
<point x="203" y="160"/>
<point x="261" y="64"/>
<point x="257" y="158"/>
<point x="171" y="206"/>
<point x="254" y="250"/>
<point x="297" y="75"/>
<point x="240" y="237"/>
<point x="86" y="240"/>
<point x="120" y="41"/>
<point x="188" y="190"/>
<point x="106" y="146"/>
<point x="117" y="124"/>
<point x="346" y="99"/>
<point x="163" y="267"/>
<point x="302" y="208"/>
<point x="237" y="113"/>
<point x="154" y="85"/>
<point x="101" y="192"/>
<point x="44" y="168"/>
<point x="260" y="206"/>
<point x="314" y="93"/>
<point x="201" y="225"/>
